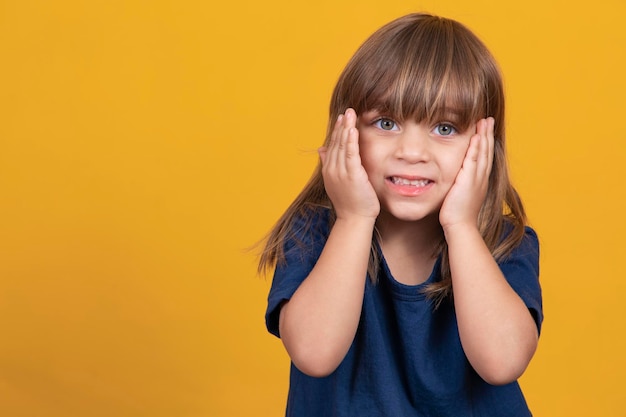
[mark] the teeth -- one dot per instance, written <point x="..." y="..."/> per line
<point x="404" y="181"/>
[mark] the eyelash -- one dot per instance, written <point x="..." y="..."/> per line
<point x="377" y="122"/>
<point x="448" y="125"/>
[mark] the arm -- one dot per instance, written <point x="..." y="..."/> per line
<point x="498" y="333"/>
<point x="318" y="324"/>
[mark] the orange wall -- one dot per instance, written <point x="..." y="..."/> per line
<point x="145" y="144"/>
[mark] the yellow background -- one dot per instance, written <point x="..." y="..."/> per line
<point x="145" y="144"/>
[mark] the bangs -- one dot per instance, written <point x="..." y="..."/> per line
<point x="429" y="95"/>
<point x="428" y="72"/>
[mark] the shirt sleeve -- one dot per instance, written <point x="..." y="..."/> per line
<point x="301" y="254"/>
<point x="521" y="270"/>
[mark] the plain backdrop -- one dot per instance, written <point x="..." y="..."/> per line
<point x="144" y="145"/>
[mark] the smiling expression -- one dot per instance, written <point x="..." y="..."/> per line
<point x="411" y="165"/>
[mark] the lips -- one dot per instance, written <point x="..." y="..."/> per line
<point x="408" y="186"/>
<point x="422" y="182"/>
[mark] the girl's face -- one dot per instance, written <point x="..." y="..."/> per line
<point x="411" y="165"/>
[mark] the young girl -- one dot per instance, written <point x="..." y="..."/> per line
<point x="412" y="191"/>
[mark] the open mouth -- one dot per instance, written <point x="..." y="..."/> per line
<point x="410" y="182"/>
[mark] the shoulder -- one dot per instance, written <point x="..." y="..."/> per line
<point x="307" y="233"/>
<point x="529" y="244"/>
<point x="525" y="253"/>
<point x="525" y="240"/>
<point x="531" y="234"/>
<point x="309" y="226"/>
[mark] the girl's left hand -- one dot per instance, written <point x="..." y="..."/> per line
<point x="464" y="200"/>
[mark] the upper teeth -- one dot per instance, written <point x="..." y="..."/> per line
<point x="404" y="181"/>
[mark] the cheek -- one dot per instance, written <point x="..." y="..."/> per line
<point x="458" y="161"/>
<point x="369" y="164"/>
<point x="368" y="157"/>
<point x="454" y="162"/>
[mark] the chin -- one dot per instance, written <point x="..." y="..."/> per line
<point x="411" y="215"/>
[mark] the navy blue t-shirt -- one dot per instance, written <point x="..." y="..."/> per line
<point x="406" y="358"/>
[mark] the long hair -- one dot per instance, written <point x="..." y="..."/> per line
<point x="416" y="67"/>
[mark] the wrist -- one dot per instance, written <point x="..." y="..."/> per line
<point x="356" y="220"/>
<point x="460" y="230"/>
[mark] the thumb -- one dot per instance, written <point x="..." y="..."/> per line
<point x="322" y="153"/>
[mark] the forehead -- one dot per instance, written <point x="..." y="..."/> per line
<point x="462" y="109"/>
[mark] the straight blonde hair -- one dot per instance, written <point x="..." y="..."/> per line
<point x="416" y="67"/>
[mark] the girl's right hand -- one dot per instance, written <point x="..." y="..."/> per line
<point x="345" y="179"/>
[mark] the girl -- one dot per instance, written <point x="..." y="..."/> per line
<point x="412" y="191"/>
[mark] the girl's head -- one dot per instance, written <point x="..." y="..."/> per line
<point x="418" y="67"/>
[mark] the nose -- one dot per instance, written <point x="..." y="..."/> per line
<point x="413" y="146"/>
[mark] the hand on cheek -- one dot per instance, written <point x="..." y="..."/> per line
<point x="345" y="179"/>
<point x="464" y="200"/>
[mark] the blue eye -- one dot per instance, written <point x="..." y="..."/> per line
<point x="445" y="129"/>
<point x="385" y="124"/>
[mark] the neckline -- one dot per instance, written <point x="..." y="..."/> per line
<point x="405" y="291"/>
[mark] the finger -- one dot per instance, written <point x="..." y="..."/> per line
<point x="348" y="123"/>
<point x="491" y="142"/>
<point x="483" y="147"/>
<point x="336" y="129"/>
<point x="486" y="157"/>
<point x="473" y="150"/>
<point x="334" y="136"/>
<point x="353" y="158"/>
<point x="322" y="154"/>
<point x="330" y="157"/>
